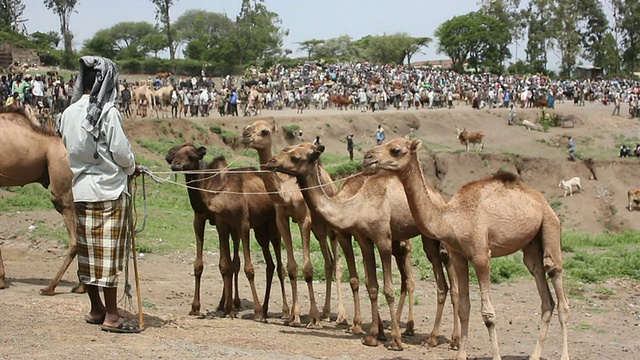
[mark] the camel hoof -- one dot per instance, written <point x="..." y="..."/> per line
<point x="395" y="345"/>
<point x="194" y="312"/>
<point x="3" y="286"/>
<point x="80" y="289"/>
<point x="314" y="325"/>
<point x="381" y="336"/>
<point x="410" y="330"/>
<point x="326" y="314"/>
<point x="432" y="341"/>
<point x="342" y="320"/>
<point x="286" y="312"/>
<point x="293" y="322"/>
<point x="355" y="329"/>
<point x="44" y="292"/>
<point x="237" y="304"/>
<point x="370" y="341"/>
<point x="455" y="343"/>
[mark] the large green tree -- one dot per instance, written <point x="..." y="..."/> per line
<point x="64" y="9"/>
<point x="628" y="24"/>
<point x="508" y="12"/>
<point x="206" y="36"/>
<point x="342" y="48"/>
<point x="310" y="46"/>
<point x="258" y="34"/>
<point x="475" y="38"/>
<point x="126" y="40"/>
<point x="163" y="16"/>
<point x="598" y="41"/>
<point x="538" y="14"/>
<point x="10" y="13"/>
<point x="393" y="48"/>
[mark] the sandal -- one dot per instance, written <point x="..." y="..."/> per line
<point x="89" y="320"/>
<point x="123" y="328"/>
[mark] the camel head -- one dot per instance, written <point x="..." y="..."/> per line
<point x="258" y="135"/>
<point x="392" y="156"/>
<point x="185" y="157"/>
<point x="296" y="160"/>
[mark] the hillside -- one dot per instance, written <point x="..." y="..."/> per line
<point x="539" y="157"/>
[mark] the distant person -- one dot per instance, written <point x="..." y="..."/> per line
<point x="572" y="149"/>
<point x="12" y="102"/>
<point x="625" y="151"/>
<point x="350" y="146"/>
<point x="380" y="135"/>
<point x="512" y="114"/>
<point x="617" y="103"/>
<point x="316" y="141"/>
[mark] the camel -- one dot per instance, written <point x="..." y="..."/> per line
<point x="146" y="93"/>
<point x="38" y="156"/>
<point x="222" y="197"/>
<point x="488" y="218"/>
<point x="163" y="99"/>
<point x="386" y="228"/>
<point x="289" y="203"/>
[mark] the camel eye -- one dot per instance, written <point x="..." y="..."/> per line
<point x="295" y="159"/>
<point x="266" y="132"/>
<point x="395" y="151"/>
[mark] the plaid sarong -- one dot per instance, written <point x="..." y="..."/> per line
<point x="102" y="237"/>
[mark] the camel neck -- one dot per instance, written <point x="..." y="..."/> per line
<point x="196" y="182"/>
<point x="427" y="205"/>
<point x="272" y="181"/>
<point x="326" y="207"/>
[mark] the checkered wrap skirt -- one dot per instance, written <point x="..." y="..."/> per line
<point x="102" y="237"/>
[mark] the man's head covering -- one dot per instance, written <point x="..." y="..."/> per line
<point x="104" y="91"/>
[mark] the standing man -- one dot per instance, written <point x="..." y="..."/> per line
<point x="125" y="95"/>
<point x="572" y="149"/>
<point x="379" y="135"/>
<point x="618" y="101"/>
<point x="350" y="146"/>
<point x="101" y="160"/>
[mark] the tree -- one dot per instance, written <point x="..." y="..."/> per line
<point x="153" y="43"/>
<point x="565" y="25"/>
<point x="257" y="34"/>
<point x="508" y="12"/>
<point x="597" y="39"/>
<point x="414" y="45"/>
<point x="310" y="46"/>
<point x="163" y="8"/>
<point x="628" y="23"/>
<point x="10" y="12"/>
<point x="126" y="40"/>
<point x="49" y="39"/>
<point x="341" y="48"/>
<point x="101" y="44"/>
<point x="476" y="38"/>
<point x="194" y="24"/>
<point x="64" y="9"/>
<point x="393" y="48"/>
<point x="538" y="15"/>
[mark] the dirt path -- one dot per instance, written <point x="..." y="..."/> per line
<point x="35" y="327"/>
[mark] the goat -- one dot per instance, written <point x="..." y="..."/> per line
<point x="528" y="125"/>
<point x="634" y="198"/>
<point x="470" y="137"/>
<point x="569" y="184"/>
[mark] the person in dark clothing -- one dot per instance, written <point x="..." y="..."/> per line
<point x="350" y="146"/>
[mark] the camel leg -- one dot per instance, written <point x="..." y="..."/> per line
<point x="2" y="284"/>
<point x="402" y="253"/>
<point x="276" y="242"/>
<point x="372" y="288"/>
<point x="226" y="268"/>
<point x="389" y="293"/>
<point x="307" y="271"/>
<point x="482" y="266"/>
<point x="199" y="222"/>
<point x="432" y="250"/>
<point x="250" y="272"/>
<point x="320" y="233"/>
<point x="354" y="281"/>
<point x="341" y="318"/>
<point x="62" y="199"/>
<point x="237" y="304"/>
<point x="462" y="272"/>
<point x="453" y="282"/>
<point x="262" y="236"/>
<point x="533" y="260"/>
<point x="282" y="221"/>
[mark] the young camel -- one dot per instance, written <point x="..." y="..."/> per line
<point x="487" y="218"/>
<point x="289" y="203"/>
<point x="386" y="228"/>
<point x="236" y="200"/>
<point x="37" y="155"/>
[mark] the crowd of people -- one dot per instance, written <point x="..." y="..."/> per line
<point x="39" y="91"/>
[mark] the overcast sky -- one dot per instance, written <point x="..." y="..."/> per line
<point x="305" y="19"/>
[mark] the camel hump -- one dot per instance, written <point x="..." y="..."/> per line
<point x="506" y="177"/>
<point x="219" y="162"/>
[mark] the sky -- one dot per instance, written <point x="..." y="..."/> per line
<point x="305" y="19"/>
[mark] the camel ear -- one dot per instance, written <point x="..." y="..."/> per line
<point x="202" y="151"/>
<point x="415" y="145"/>
<point x="320" y="148"/>
<point x="316" y="154"/>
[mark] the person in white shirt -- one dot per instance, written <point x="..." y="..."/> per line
<point x="37" y="92"/>
<point x="101" y="161"/>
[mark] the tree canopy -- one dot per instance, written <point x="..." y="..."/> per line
<point x="475" y="38"/>
<point x="126" y="40"/>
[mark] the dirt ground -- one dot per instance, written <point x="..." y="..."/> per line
<point x="601" y="326"/>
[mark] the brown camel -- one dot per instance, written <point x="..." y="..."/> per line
<point x="145" y="92"/>
<point x="38" y="156"/>
<point x="238" y="202"/>
<point x="386" y="228"/>
<point x="289" y="203"/>
<point x="488" y="218"/>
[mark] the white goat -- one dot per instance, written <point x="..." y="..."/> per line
<point x="569" y="184"/>
<point x="529" y="125"/>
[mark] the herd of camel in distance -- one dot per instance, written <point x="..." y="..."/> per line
<point x="470" y="228"/>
